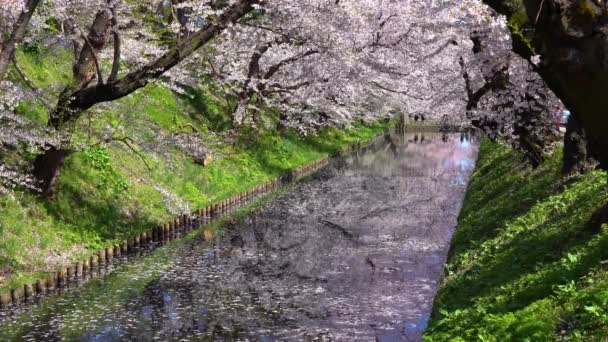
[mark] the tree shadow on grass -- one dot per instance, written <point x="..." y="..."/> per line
<point x="509" y="199"/>
<point x="531" y="264"/>
<point x="216" y="120"/>
<point x="91" y="212"/>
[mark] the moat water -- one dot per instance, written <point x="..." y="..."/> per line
<point x="354" y="252"/>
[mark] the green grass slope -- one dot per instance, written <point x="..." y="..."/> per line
<point x="106" y="192"/>
<point x="525" y="264"/>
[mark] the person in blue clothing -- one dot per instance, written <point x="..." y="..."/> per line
<point x="561" y="119"/>
<point x="565" y="116"/>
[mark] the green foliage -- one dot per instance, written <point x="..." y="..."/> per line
<point x="523" y="259"/>
<point x="27" y="232"/>
<point x="522" y="33"/>
<point x="34" y="111"/>
<point x="46" y="69"/>
<point x="158" y="104"/>
<point x="108" y="179"/>
<point x="522" y="41"/>
<point x="106" y="194"/>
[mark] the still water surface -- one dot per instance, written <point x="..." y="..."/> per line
<point x="354" y="253"/>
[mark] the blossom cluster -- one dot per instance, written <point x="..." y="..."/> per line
<point x="315" y="62"/>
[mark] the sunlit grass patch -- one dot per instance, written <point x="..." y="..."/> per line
<point x="520" y="241"/>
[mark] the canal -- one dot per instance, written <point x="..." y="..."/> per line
<point x="354" y="252"/>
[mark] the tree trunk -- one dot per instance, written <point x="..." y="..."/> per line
<point x="5" y="58"/>
<point x="19" y="29"/>
<point x="47" y="167"/>
<point x="574" y="52"/>
<point x="576" y="159"/>
<point x="534" y="137"/>
<point x="256" y="116"/>
<point x="281" y="126"/>
<point x="599" y="218"/>
<point x="240" y="114"/>
<point x="256" y="113"/>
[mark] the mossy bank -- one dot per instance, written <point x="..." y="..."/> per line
<point x="107" y="192"/>
<point x="525" y="262"/>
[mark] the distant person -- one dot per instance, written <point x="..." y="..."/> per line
<point x="416" y="117"/>
<point x="421" y="117"/>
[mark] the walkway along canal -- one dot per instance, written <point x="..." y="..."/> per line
<point x="354" y="252"/>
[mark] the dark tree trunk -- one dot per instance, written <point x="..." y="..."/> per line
<point x="576" y="157"/>
<point x="599" y="218"/>
<point x="281" y="126"/>
<point x="574" y="48"/>
<point x="256" y="116"/>
<point x="5" y="59"/>
<point x="256" y="113"/>
<point x="47" y="167"/>
<point x="534" y="136"/>
<point x="532" y="150"/>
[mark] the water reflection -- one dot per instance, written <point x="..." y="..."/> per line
<point x="354" y="253"/>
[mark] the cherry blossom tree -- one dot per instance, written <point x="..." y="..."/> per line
<point x="567" y="39"/>
<point x="342" y="60"/>
<point x="90" y="86"/>
<point x="512" y="101"/>
<point x="313" y="62"/>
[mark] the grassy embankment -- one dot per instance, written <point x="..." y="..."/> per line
<point x="525" y="265"/>
<point x="106" y="193"/>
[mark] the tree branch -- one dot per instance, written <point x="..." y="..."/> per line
<point x="261" y="27"/>
<point x="275" y="68"/>
<point x="451" y="41"/>
<point x="85" y="98"/>
<point x="540" y="9"/>
<point x="277" y="88"/>
<point x="396" y="91"/>
<point x="95" y="60"/>
<point x="128" y="141"/>
<point x="117" y="43"/>
<point x="467" y="78"/>
<point x="7" y="48"/>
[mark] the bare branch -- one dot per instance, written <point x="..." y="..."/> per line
<point x="128" y="141"/>
<point x="395" y="91"/>
<point x="95" y="60"/>
<point x="117" y="44"/>
<point x="87" y="97"/>
<point x="450" y="42"/>
<point x="275" y="68"/>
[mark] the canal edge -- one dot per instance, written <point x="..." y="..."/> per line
<point x="155" y="237"/>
